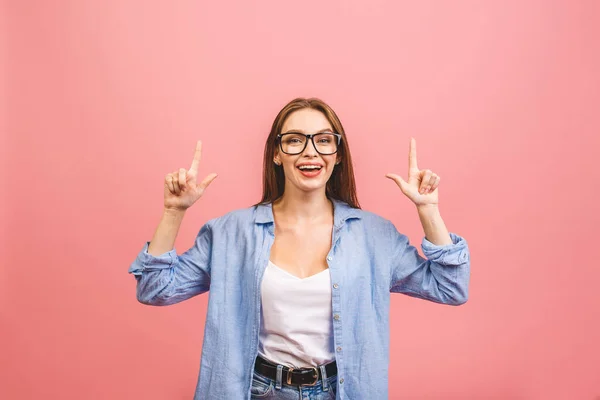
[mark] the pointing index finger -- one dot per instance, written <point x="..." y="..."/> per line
<point x="412" y="155"/>
<point x="197" y="157"/>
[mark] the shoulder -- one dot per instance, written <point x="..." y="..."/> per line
<point x="380" y="230"/>
<point x="358" y="217"/>
<point x="370" y="224"/>
<point x="240" y="217"/>
<point x="372" y="220"/>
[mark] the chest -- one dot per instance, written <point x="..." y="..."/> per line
<point x="302" y="252"/>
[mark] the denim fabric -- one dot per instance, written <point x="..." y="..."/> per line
<point x="367" y="261"/>
<point x="266" y="388"/>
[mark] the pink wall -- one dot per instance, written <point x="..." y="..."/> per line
<point x="104" y="98"/>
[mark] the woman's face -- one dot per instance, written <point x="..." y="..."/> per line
<point x="306" y="121"/>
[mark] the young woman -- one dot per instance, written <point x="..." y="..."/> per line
<point x="300" y="283"/>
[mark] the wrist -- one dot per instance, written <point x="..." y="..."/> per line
<point x="428" y="208"/>
<point x="173" y="212"/>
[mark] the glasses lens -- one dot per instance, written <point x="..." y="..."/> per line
<point x="293" y="143"/>
<point x="326" y="143"/>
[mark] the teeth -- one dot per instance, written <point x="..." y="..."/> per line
<point x="309" y="167"/>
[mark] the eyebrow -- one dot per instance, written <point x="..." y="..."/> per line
<point x="301" y="131"/>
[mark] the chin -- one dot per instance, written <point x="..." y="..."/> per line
<point x="311" y="186"/>
<point x="308" y="189"/>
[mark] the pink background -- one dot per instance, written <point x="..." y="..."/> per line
<point x="103" y="98"/>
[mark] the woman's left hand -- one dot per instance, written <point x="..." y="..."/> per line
<point x="422" y="185"/>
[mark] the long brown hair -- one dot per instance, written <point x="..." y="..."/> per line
<point x="340" y="186"/>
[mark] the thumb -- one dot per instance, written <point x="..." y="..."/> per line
<point x="207" y="181"/>
<point x="399" y="181"/>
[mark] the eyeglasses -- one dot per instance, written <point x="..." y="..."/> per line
<point x="295" y="143"/>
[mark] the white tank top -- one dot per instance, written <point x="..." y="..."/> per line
<point x="295" y="325"/>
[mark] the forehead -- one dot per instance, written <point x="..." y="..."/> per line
<point x="306" y="120"/>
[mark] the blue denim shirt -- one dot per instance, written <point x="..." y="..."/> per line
<point x="367" y="261"/>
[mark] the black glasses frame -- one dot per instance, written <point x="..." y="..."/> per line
<point x="310" y="137"/>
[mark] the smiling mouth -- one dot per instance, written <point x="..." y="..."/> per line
<point x="310" y="172"/>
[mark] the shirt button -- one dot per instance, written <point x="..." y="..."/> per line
<point x="339" y="349"/>
<point x="335" y="286"/>
<point x="341" y="380"/>
<point x="336" y="317"/>
<point x="329" y="258"/>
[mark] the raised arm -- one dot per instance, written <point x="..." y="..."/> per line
<point x="443" y="275"/>
<point x="163" y="277"/>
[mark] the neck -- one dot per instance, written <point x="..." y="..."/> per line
<point x="302" y="206"/>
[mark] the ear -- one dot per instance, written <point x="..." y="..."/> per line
<point x="338" y="160"/>
<point x="276" y="158"/>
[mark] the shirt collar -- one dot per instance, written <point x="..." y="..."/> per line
<point x="341" y="212"/>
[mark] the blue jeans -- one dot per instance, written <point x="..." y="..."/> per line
<point x="266" y="388"/>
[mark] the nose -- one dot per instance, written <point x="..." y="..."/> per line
<point x="310" y="149"/>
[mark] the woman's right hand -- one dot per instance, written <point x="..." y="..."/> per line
<point x="181" y="189"/>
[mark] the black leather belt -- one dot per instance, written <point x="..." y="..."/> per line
<point x="294" y="376"/>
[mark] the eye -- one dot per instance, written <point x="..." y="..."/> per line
<point x="325" y="138"/>
<point x="293" y="139"/>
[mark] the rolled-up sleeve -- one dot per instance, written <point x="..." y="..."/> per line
<point x="442" y="277"/>
<point x="168" y="278"/>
